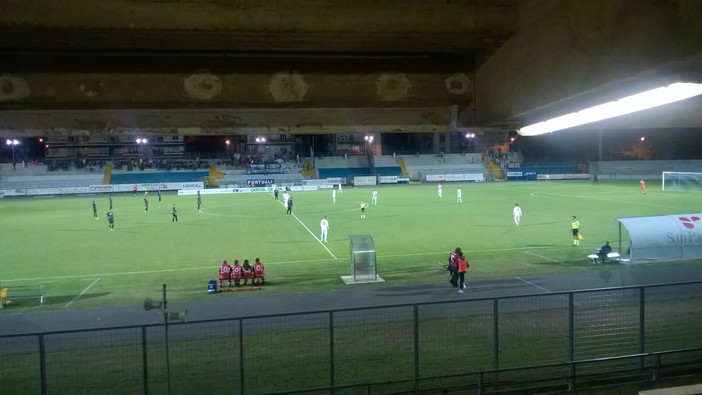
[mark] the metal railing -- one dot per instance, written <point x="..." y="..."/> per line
<point x="567" y="338"/>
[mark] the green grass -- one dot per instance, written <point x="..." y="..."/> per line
<point x="80" y="263"/>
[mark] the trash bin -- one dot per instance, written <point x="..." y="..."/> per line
<point x="212" y="287"/>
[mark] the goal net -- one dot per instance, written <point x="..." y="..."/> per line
<point x="679" y="181"/>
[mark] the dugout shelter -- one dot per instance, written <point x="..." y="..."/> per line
<point x="663" y="237"/>
<point x="364" y="267"/>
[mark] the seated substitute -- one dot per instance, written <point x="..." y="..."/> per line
<point x="259" y="273"/>
<point x="236" y="272"/>
<point x="247" y="271"/>
<point x="225" y="272"/>
<point x="603" y="251"/>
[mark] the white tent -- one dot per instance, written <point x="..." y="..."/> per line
<point x="663" y="237"/>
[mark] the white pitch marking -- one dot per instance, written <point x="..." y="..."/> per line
<point x="552" y="260"/>
<point x="215" y="267"/>
<point x="544" y="289"/>
<point x="313" y="235"/>
<point x="541" y="256"/>
<point x="465" y="251"/>
<point x="530" y="283"/>
<point x="81" y="294"/>
<point x="150" y="271"/>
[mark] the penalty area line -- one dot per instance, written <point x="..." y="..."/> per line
<point x="82" y="293"/>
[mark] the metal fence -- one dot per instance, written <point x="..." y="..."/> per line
<point x="482" y="343"/>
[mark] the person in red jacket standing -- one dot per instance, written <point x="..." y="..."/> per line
<point x="225" y="272"/>
<point x="259" y="273"/>
<point x="453" y="266"/>
<point x="462" y="269"/>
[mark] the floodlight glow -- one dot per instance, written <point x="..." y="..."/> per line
<point x="12" y="142"/>
<point x="470" y="135"/>
<point x="627" y="105"/>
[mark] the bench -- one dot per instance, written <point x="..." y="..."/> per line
<point x="7" y="295"/>
<point x="611" y="257"/>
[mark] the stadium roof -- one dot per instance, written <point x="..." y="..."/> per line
<point x="311" y="66"/>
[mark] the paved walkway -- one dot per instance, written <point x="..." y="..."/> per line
<point x="357" y="296"/>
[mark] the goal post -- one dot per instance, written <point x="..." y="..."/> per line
<point x="681" y="181"/>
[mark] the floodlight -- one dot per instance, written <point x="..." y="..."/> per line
<point x="150" y="304"/>
<point x="181" y="316"/>
<point x="638" y="102"/>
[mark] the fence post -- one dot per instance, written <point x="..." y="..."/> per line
<point x="241" y="354"/>
<point x="332" y="377"/>
<point x="144" y="360"/>
<point x="416" y="348"/>
<point x="642" y="323"/>
<point x="42" y="365"/>
<point x="495" y="341"/>
<point x="571" y="340"/>
<point x="642" y="319"/>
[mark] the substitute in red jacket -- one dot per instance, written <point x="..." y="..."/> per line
<point x="247" y="271"/>
<point x="259" y="272"/>
<point x="236" y="272"/>
<point x="225" y="272"/>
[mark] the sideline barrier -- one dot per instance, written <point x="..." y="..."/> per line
<point x="477" y="177"/>
<point x="92" y="189"/>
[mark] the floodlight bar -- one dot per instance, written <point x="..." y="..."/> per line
<point x="638" y="102"/>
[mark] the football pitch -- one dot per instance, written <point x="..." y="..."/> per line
<point x="56" y="243"/>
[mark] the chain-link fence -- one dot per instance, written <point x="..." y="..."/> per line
<point x="460" y="344"/>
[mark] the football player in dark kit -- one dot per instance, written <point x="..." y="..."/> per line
<point x="290" y="203"/>
<point x="275" y="193"/>
<point x="94" y="210"/>
<point x="146" y="205"/>
<point x="199" y="200"/>
<point x="110" y="198"/>
<point x="174" y="214"/>
<point x="111" y="220"/>
<point x="159" y="193"/>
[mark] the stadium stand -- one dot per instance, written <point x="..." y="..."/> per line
<point x="418" y="166"/>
